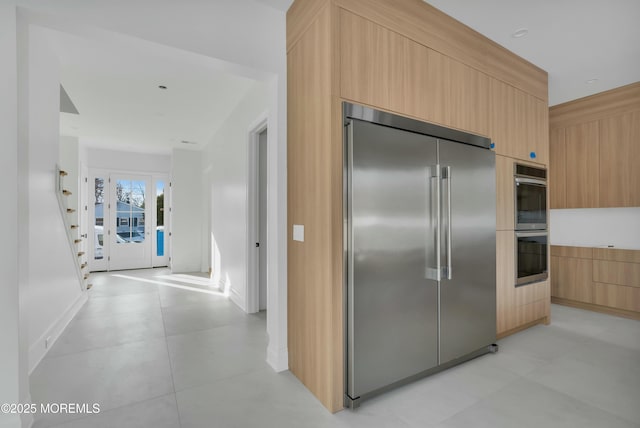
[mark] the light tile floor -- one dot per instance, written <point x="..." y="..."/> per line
<point x="155" y="351"/>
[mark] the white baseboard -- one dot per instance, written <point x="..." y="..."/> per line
<point x="39" y="348"/>
<point x="237" y="299"/>
<point x="278" y="359"/>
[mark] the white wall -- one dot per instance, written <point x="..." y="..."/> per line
<point x="186" y="211"/>
<point x="54" y="293"/>
<point x="595" y="227"/>
<point x="128" y="161"/>
<point x="225" y="160"/>
<point x="69" y="161"/>
<point x="13" y="368"/>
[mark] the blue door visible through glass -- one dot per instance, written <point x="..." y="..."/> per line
<point x="159" y="218"/>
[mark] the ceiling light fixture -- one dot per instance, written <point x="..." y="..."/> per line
<point x="520" y="33"/>
<point x="591" y="81"/>
<point x="162" y="87"/>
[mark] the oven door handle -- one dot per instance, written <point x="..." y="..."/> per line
<point x="531" y="234"/>
<point x="533" y="181"/>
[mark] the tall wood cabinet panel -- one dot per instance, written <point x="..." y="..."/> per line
<point x="557" y="169"/>
<point x="505" y="194"/>
<point x="405" y="57"/>
<point x="620" y="161"/>
<point x="582" y="173"/>
<point x="313" y="342"/>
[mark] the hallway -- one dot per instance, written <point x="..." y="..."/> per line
<point x="160" y="350"/>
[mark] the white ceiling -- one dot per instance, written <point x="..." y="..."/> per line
<point x="115" y="89"/>
<point x="573" y="40"/>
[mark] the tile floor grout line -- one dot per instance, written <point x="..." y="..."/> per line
<point x="173" y="382"/>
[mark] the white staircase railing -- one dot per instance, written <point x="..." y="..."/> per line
<point x="79" y="257"/>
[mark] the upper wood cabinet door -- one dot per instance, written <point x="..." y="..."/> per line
<point x="386" y="70"/>
<point x="582" y="172"/>
<point x="469" y="102"/>
<point x="502" y="116"/>
<point x="620" y="161"/>
<point x="373" y="63"/>
<point x="557" y="169"/>
<point x="538" y="136"/>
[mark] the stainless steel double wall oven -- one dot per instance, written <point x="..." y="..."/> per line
<point x="530" y="184"/>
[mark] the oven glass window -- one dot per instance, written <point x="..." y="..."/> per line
<point x="531" y="204"/>
<point x="531" y="257"/>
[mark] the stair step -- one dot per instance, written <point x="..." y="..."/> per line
<point x="81" y="253"/>
<point x="86" y="276"/>
<point x="63" y="173"/>
<point x="70" y="210"/>
<point x="66" y="192"/>
<point x="83" y="265"/>
<point x="89" y="286"/>
<point x="77" y="241"/>
<point x="74" y="226"/>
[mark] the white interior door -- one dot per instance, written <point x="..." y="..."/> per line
<point x="131" y="222"/>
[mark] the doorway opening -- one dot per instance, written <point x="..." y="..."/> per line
<point x="258" y="185"/>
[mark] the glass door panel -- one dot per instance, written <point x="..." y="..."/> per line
<point x="161" y="226"/>
<point x="131" y="244"/>
<point x="99" y="213"/>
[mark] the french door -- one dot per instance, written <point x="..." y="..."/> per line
<point x="130" y="227"/>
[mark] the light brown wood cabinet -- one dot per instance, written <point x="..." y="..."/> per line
<point x="620" y="161"/>
<point x="595" y="148"/>
<point x="519" y="124"/>
<point x="517" y="307"/>
<point x="405" y="57"/>
<point x="557" y="169"/>
<point x="600" y="279"/>
<point x="582" y="171"/>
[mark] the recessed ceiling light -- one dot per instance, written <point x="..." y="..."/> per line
<point x="591" y="81"/>
<point x="520" y="33"/>
<point x="162" y="87"/>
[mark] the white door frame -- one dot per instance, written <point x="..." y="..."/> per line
<point x="253" y="285"/>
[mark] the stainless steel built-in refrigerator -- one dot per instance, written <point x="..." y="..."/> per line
<point x="420" y="249"/>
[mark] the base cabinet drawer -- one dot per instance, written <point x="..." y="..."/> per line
<point x="617" y="296"/>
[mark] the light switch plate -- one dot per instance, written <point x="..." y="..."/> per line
<point x="298" y="232"/>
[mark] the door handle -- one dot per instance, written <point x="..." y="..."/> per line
<point x="446" y="175"/>
<point x="436" y="197"/>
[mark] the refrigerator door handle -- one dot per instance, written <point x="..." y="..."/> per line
<point x="435" y="175"/>
<point x="446" y="175"/>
